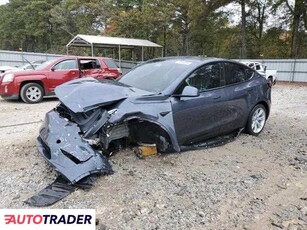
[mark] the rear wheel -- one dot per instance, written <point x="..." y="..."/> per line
<point x="32" y="93"/>
<point x="256" y="120"/>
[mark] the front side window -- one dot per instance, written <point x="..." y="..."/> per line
<point x="206" y="77"/>
<point x="235" y="73"/>
<point x="66" y="65"/>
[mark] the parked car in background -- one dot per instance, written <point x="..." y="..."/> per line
<point x="269" y="74"/>
<point x="32" y="85"/>
<point x="28" y="66"/>
<point x="6" y="68"/>
<point x="169" y="103"/>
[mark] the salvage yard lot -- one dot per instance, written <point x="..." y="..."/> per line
<point x="250" y="183"/>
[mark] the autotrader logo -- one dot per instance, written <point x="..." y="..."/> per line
<point x="48" y="219"/>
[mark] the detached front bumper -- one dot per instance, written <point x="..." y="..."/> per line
<point x="61" y="145"/>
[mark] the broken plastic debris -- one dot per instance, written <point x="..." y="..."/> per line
<point x="58" y="190"/>
<point x="54" y="192"/>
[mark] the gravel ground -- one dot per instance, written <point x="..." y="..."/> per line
<point x="251" y="183"/>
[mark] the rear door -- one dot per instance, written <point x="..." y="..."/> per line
<point x="63" y="71"/>
<point x="240" y="94"/>
<point x="196" y="118"/>
<point x="90" y="67"/>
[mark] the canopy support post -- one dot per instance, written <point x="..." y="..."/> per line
<point x="92" y="49"/>
<point x="142" y="53"/>
<point x="67" y="50"/>
<point x="119" y="57"/>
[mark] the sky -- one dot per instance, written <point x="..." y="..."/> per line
<point x="3" y="2"/>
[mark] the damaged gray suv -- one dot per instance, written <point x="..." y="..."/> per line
<point x="169" y="102"/>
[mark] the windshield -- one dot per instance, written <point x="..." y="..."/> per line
<point x="26" y="66"/>
<point x="44" y="65"/>
<point x="155" y="76"/>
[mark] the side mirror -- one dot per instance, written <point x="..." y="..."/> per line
<point x="189" y="91"/>
<point x="52" y="69"/>
<point x="264" y="68"/>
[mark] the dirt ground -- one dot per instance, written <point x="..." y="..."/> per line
<point x="250" y="183"/>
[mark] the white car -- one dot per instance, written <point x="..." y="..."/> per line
<point x="5" y="68"/>
<point x="269" y="74"/>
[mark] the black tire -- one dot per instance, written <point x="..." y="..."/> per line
<point x="32" y="93"/>
<point x="256" y="120"/>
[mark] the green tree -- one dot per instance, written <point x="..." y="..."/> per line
<point x="26" y="25"/>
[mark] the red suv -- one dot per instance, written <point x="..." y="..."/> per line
<point x="32" y="86"/>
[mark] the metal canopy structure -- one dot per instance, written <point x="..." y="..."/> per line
<point x="110" y="42"/>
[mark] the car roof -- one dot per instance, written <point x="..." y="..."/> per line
<point x="200" y="59"/>
<point x="194" y="63"/>
<point x="195" y="60"/>
<point x="83" y="57"/>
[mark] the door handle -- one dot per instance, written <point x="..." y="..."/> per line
<point x="216" y="97"/>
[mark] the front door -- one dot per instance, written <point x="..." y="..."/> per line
<point x="62" y="72"/>
<point x="196" y="118"/>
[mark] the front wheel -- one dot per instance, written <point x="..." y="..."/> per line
<point x="32" y="93"/>
<point x="256" y="120"/>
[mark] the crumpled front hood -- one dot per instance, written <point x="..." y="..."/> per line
<point x="84" y="94"/>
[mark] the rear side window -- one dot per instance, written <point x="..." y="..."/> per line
<point x="110" y="63"/>
<point x="89" y="64"/>
<point x="235" y="73"/>
<point x="206" y="77"/>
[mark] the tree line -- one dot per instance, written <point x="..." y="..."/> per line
<point x="247" y="29"/>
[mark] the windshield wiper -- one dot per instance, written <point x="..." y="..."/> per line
<point x="28" y="62"/>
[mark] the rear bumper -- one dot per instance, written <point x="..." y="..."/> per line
<point x="61" y="145"/>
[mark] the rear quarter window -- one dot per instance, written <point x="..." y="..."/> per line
<point x="110" y="63"/>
